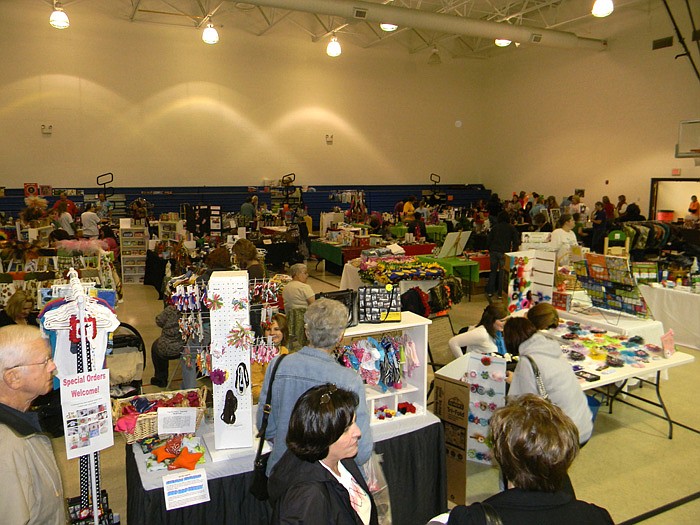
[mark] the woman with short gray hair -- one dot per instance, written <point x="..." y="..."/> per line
<point x="312" y="366"/>
<point x="325" y="324"/>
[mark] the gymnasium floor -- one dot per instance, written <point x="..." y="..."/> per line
<point x="629" y="466"/>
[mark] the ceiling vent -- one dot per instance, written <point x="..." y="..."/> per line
<point x="359" y="13"/>
<point x="660" y="43"/>
<point x="535" y="38"/>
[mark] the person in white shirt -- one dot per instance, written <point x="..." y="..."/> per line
<point x="486" y="337"/>
<point x="563" y="238"/>
<point x="91" y="222"/>
<point x="296" y="293"/>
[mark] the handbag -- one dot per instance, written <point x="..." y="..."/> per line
<point x="259" y="486"/>
<point x="348" y="298"/>
<point x="379" y="304"/>
<point x="541" y="390"/>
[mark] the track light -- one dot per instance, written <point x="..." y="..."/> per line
<point x="59" y="19"/>
<point x="602" y="8"/>
<point x="388" y="27"/>
<point x="502" y="42"/>
<point x="210" y="35"/>
<point x="333" y="49"/>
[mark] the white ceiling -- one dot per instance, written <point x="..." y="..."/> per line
<point x="567" y="16"/>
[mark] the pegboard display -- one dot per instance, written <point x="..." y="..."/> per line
<point x="231" y="341"/>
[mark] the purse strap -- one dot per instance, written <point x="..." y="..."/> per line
<point x="491" y="516"/>
<point x="267" y="407"/>
<point x="541" y="390"/>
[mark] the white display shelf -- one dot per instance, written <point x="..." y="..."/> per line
<point x="413" y="388"/>
<point x="133" y="243"/>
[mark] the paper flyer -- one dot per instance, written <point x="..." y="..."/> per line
<point x="185" y="489"/>
<point x="87" y="415"/>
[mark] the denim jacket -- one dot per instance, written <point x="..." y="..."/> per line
<point x="298" y="372"/>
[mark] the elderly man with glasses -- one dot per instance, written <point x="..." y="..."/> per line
<point x="32" y="492"/>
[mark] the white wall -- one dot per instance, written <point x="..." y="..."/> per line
<point x="157" y="107"/>
<point x="605" y="121"/>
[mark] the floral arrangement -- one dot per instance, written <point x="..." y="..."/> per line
<point x="387" y="270"/>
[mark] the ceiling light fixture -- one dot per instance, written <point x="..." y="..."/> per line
<point x="434" y="58"/>
<point x="58" y="19"/>
<point x="333" y="49"/>
<point x="502" y="42"/>
<point x="602" y="8"/>
<point x="388" y="27"/>
<point x="210" y="35"/>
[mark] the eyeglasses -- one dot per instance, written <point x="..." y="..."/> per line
<point x="326" y="396"/>
<point x="43" y="363"/>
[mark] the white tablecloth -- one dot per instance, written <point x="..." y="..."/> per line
<point x="616" y="322"/>
<point x="678" y="310"/>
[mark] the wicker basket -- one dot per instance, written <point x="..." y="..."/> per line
<point x="147" y="424"/>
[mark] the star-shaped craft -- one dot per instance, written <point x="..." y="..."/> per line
<point x="162" y="454"/>
<point x="185" y="460"/>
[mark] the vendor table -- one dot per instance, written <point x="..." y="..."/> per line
<point x="336" y="256"/>
<point x="617" y="322"/>
<point x="279" y="253"/>
<point x="677" y="310"/>
<point x="399" y="231"/>
<point x="351" y="279"/>
<point x="458" y="266"/>
<point x="414" y="466"/>
<point x="620" y="377"/>
<point x="436" y="232"/>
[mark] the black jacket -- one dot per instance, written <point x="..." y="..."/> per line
<point x="522" y="507"/>
<point x="306" y="493"/>
<point x="503" y="238"/>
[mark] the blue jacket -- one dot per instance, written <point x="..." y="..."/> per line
<point x="298" y="372"/>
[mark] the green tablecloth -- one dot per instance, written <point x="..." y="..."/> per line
<point x="329" y="252"/>
<point x="458" y="266"/>
<point x="436" y="232"/>
<point x="398" y="231"/>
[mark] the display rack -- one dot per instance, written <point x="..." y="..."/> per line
<point x="609" y="283"/>
<point x="414" y="386"/>
<point x="167" y="230"/>
<point x="133" y="244"/>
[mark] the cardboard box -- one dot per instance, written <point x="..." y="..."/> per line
<point x="452" y="407"/>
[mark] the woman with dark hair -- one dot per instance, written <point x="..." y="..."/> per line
<point x="247" y="258"/>
<point x="515" y="331"/>
<point x="486" y="337"/>
<point x="107" y="236"/>
<point x="534" y="443"/>
<point x="559" y="380"/>
<point x="563" y="238"/>
<point x="317" y="481"/>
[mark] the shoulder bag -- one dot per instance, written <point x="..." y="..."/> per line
<point x="259" y="486"/>
<point x="541" y="390"/>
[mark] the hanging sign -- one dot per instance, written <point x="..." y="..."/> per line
<point x="87" y="415"/>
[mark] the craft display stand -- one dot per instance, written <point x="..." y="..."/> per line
<point x="413" y="388"/>
<point x="86" y="361"/>
<point x="530" y="278"/>
<point x="609" y="283"/>
<point x="231" y="340"/>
